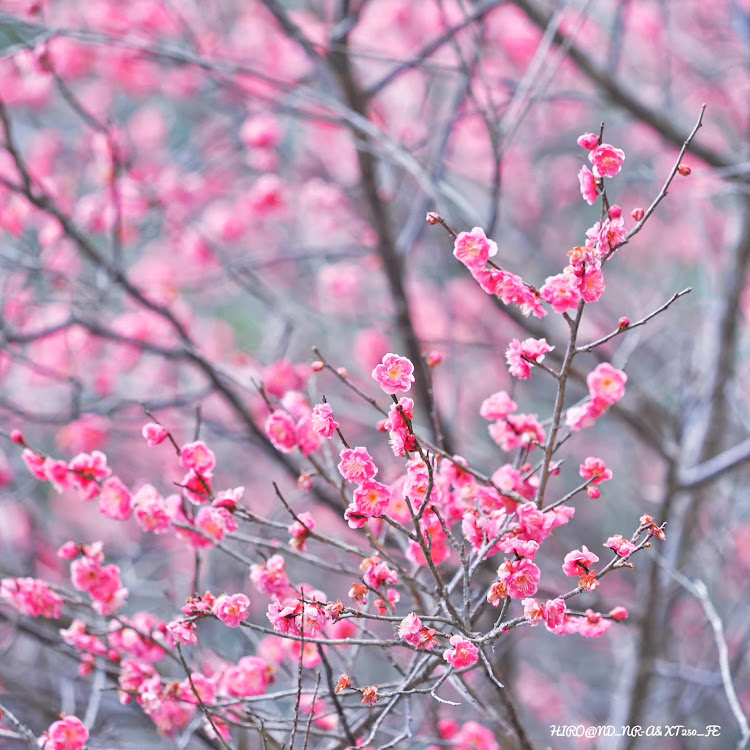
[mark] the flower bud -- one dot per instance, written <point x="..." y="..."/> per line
<point x="317" y="366"/>
<point x="343" y="372"/>
<point x="623" y="323"/>
<point x="619" y="613"/>
<point x="433" y="218"/>
<point x="433" y="358"/>
<point x="588" y="141"/>
<point x="684" y="170"/>
<point x="638" y="214"/>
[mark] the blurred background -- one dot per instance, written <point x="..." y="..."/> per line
<point x="193" y="195"/>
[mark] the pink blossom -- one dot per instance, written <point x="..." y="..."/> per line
<point x="593" y="625"/>
<point x="497" y="406"/>
<point x="86" y="471"/>
<point x="231" y="609"/>
<point x="200" y="684"/>
<point x="589" y="141"/>
<point x="561" y="292"/>
<point x="249" y="677"/>
<point x="533" y="611"/>
<point x="394" y="374"/>
<point x="270" y="578"/>
<point x="623" y="547"/>
<point x="281" y="431"/>
<point x="323" y="422"/>
<point x="183" y="632"/>
<point x="151" y="510"/>
<point x="376" y="572"/>
<point x="260" y="131"/>
<point x="215" y="522"/>
<point x="522" y="547"/>
<point x="69" y="551"/>
<point x="619" y="613"/>
<point x="596" y="470"/>
<point x="587" y="182"/>
<point x="115" y="500"/>
<point x="198" y="457"/>
<point x="57" y="473"/>
<point x="579" y="562"/>
<point x="591" y="285"/>
<point x="300" y="530"/>
<point x="68" y="733"/>
<point x="32" y="597"/>
<point x="154" y="433"/>
<point x="607" y="160"/>
<point x="606" y="383"/>
<point x="520" y="576"/>
<point x="356" y="465"/>
<point x="511" y="290"/>
<point x="608" y="235"/>
<point x="554" y="613"/>
<point x="473" y="248"/>
<point x="415" y="634"/>
<point x="371" y="499"/>
<point x="308" y="439"/>
<point x="197" y="487"/>
<point x="518" y="431"/>
<point x="518" y="354"/>
<point x="463" y="654"/>
<point x="585" y="415"/>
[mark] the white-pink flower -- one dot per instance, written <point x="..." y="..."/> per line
<point x="322" y="420"/>
<point x="394" y="374"/>
<point x="463" y="654"/>
<point x="607" y="160"/>
<point x="606" y="383"/>
<point x="474" y="249"/>
<point x="587" y="182"/>
<point x="68" y="733"/>
<point x="231" y="609"/>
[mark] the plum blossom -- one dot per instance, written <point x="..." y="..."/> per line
<point x="281" y="430"/>
<point x="607" y="160"/>
<point x="198" y="457"/>
<point x="270" y="578"/>
<point x="356" y="465"/>
<point x="606" y="383"/>
<point x="623" y="547"/>
<point x="371" y="499"/>
<point x="561" y="292"/>
<point x="115" y="500"/>
<point x="394" y="374"/>
<point x="31" y="597"/>
<point x="415" y="634"/>
<point x="589" y="141"/>
<point x="322" y="420"/>
<point x="300" y="530"/>
<point x="497" y="406"/>
<point x="593" y="625"/>
<point x="595" y="470"/>
<point x="68" y="733"/>
<point x="86" y="472"/>
<point x="463" y="654"/>
<point x="578" y="563"/>
<point x="521" y="577"/>
<point x="474" y="249"/>
<point x="518" y="354"/>
<point x="587" y="182"/>
<point x="154" y="434"/>
<point x="231" y="609"/>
